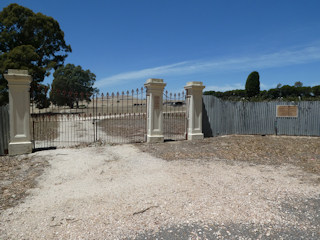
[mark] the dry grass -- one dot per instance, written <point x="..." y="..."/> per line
<point x="303" y="152"/>
<point x="129" y="129"/>
<point x="17" y="175"/>
<point x="133" y="128"/>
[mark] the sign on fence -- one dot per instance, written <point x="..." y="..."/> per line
<point x="287" y="111"/>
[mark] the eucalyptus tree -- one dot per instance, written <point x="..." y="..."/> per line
<point x="70" y="84"/>
<point x="31" y="41"/>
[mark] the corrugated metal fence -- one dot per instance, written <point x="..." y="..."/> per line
<point x="4" y="129"/>
<point x="227" y="117"/>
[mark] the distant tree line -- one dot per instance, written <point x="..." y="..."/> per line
<point x="252" y="92"/>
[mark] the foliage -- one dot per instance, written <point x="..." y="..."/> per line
<point x="31" y="41"/>
<point x="296" y="92"/>
<point x="298" y="84"/>
<point x="285" y="92"/>
<point x="253" y="84"/>
<point x="316" y="91"/>
<point x="233" y="95"/>
<point x="41" y="100"/>
<point x="70" y="84"/>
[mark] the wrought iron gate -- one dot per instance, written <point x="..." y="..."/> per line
<point x="174" y="116"/>
<point x="110" y="118"/>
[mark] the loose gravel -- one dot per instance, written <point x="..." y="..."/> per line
<point x="120" y="192"/>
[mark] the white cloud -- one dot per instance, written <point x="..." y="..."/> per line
<point x="144" y="73"/>
<point x="276" y="59"/>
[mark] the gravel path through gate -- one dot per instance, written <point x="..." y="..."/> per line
<point x="119" y="192"/>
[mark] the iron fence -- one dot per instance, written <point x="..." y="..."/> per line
<point x="111" y="118"/>
<point x="174" y="116"/>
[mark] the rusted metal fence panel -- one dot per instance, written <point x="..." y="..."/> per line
<point x="227" y="117"/>
<point x="174" y="116"/>
<point x="4" y="129"/>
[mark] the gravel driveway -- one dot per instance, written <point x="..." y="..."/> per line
<point x="120" y="192"/>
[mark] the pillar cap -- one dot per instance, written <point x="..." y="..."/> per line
<point x="198" y="85"/>
<point x="18" y="77"/>
<point x="154" y="80"/>
<point x="194" y="84"/>
<point x="155" y="83"/>
<point x="17" y="72"/>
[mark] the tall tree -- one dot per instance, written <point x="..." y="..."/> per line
<point x="253" y="84"/>
<point x="298" y="84"/>
<point x="31" y="41"/>
<point x="70" y="84"/>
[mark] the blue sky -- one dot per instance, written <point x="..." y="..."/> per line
<point x="125" y="42"/>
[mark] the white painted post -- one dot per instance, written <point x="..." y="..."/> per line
<point x="154" y="110"/>
<point x="19" y="110"/>
<point x="194" y="111"/>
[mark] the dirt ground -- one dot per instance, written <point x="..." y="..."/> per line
<point x="233" y="187"/>
<point x="303" y="152"/>
<point x="17" y="176"/>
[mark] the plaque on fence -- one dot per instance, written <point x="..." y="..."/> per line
<point x="287" y="111"/>
<point x="156" y="102"/>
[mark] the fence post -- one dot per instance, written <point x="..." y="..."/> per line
<point x="19" y="111"/>
<point x="194" y="111"/>
<point x="154" y="110"/>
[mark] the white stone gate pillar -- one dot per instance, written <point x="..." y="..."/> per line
<point x="19" y="110"/>
<point x="154" y="110"/>
<point x="194" y="111"/>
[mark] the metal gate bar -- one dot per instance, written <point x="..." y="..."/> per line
<point x="110" y="118"/>
<point x="174" y="116"/>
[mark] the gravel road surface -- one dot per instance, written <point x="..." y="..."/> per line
<point x="120" y="192"/>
